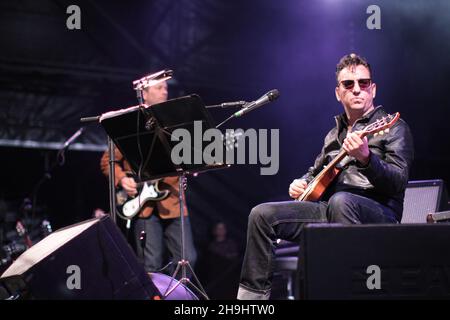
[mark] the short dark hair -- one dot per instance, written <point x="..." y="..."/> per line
<point x="351" y="59"/>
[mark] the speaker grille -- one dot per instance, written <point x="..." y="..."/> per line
<point x="421" y="198"/>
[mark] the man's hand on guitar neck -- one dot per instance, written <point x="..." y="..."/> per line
<point x="297" y="187"/>
<point x="357" y="147"/>
<point x="129" y="185"/>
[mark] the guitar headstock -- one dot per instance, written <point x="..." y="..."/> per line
<point x="381" y="125"/>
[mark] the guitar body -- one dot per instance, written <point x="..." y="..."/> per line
<point x="147" y="191"/>
<point x="317" y="187"/>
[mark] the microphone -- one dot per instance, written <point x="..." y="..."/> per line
<point x="268" y="97"/>
<point x="152" y="79"/>
<point x="73" y="137"/>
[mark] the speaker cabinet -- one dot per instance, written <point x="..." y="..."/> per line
<point x="88" y="260"/>
<point x="421" y="198"/>
<point x="389" y="261"/>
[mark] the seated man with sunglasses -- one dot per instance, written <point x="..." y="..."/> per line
<point x="369" y="189"/>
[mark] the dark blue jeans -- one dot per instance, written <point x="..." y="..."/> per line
<point x="159" y="235"/>
<point x="285" y="220"/>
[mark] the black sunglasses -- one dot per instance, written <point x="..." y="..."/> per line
<point x="349" y="84"/>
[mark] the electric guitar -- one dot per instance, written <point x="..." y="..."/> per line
<point x="320" y="183"/>
<point x="128" y="206"/>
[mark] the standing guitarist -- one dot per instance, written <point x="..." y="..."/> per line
<point x="369" y="188"/>
<point x="157" y="225"/>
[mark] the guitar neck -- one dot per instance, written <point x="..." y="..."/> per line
<point x="140" y="184"/>
<point x="333" y="163"/>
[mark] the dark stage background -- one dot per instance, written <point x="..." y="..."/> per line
<point x="224" y="51"/>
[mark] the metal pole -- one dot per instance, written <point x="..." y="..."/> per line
<point x="112" y="190"/>
<point x="181" y="182"/>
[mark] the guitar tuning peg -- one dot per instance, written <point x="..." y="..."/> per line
<point x="381" y="132"/>
<point x="375" y="134"/>
<point x="386" y="130"/>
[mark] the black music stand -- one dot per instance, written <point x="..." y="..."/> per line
<point x="143" y="135"/>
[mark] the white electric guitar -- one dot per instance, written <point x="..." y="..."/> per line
<point x="147" y="191"/>
<point x="129" y="207"/>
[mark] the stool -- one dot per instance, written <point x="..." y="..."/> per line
<point x="286" y="262"/>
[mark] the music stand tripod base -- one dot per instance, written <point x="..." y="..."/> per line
<point x="183" y="263"/>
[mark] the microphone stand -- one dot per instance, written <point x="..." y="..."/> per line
<point x="60" y="160"/>
<point x="228" y="104"/>
<point x="111" y="176"/>
<point x="234" y="115"/>
<point x="224" y="121"/>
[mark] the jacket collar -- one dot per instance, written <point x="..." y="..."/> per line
<point x="341" y="119"/>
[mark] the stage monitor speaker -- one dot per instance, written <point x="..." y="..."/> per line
<point x="388" y="261"/>
<point x="88" y="260"/>
<point x="421" y="198"/>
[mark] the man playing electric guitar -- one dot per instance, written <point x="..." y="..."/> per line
<point x="157" y="225"/>
<point x="364" y="179"/>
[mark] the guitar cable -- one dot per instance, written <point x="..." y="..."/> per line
<point x="139" y="142"/>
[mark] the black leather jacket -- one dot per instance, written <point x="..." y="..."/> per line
<point x="385" y="178"/>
